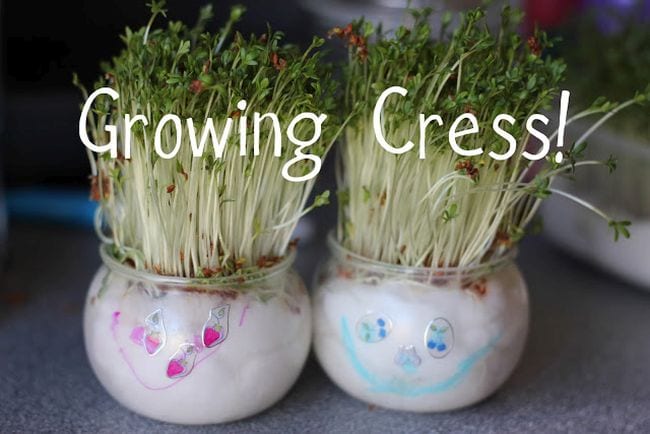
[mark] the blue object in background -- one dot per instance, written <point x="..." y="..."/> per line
<point x="613" y="16"/>
<point x="53" y="205"/>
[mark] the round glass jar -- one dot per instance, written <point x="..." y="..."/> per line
<point x="196" y="351"/>
<point x="418" y="339"/>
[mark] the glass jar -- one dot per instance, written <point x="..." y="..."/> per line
<point x="196" y="351"/>
<point x="418" y="339"/>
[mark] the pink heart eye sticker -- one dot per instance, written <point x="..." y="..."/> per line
<point x="182" y="362"/>
<point x="174" y="369"/>
<point x="152" y="343"/>
<point x="154" y="336"/>
<point x="210" y="336"/>
<point x="215" y="329"/>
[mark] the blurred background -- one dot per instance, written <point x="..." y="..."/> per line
<point x="44" y="166"/>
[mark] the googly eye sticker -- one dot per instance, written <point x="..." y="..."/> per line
<point x="374" y="327"/>
<point x="439" y="338"/>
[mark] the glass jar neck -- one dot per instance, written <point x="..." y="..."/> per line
<point x="199" y="284"/>
<point x="370" y="267"/>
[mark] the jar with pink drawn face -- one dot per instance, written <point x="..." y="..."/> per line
<point x="196" y="351"/>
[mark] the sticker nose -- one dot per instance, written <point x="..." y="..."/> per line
<point x="407" y="358"/>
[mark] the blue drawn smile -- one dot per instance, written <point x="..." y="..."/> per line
<point x="400" y="387"/>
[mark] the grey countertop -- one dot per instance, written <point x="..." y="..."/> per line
<point x="586" y="367"/>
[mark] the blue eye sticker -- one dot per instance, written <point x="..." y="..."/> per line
<point x="439" y="338"/>
<point x="374" y="327"/>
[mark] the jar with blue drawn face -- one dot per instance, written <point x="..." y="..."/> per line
<point x="418" y="339"/>
<point x="196" y="351"/>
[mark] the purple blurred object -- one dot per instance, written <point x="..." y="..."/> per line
<point x="613" y="15"/>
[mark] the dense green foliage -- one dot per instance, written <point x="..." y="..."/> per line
<point x="446" y="210"/>
<point x="207" y="216"/>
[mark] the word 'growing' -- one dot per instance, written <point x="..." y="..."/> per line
<point x="198" y="141"/>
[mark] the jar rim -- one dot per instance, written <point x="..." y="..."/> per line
<point x="364" y="262"/>
<point x="206" y="282"/>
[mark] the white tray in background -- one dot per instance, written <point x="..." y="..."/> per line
<point x="585" y="234"/>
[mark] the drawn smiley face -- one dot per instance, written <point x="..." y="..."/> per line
<point x="376" y="327"/>
<point x="417" y="355"/>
